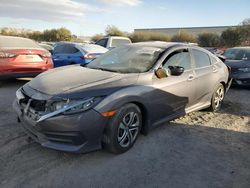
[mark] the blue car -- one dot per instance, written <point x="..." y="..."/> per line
<point x="75" y="53"/>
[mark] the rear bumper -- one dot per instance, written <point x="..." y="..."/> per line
<point x="19" y="70"/>
<point x="77" y="133"/>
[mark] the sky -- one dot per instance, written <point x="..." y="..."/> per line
<point x="86" y="18"/>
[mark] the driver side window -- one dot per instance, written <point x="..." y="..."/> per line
<point x="178" y="58"/>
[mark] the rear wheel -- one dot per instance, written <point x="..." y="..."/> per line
<point x="217" y="98"/>
<point x="124" y="129"/>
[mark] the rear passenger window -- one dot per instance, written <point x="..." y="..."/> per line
<point x="59" y="49"/>
<point x="70" y="49"/>
<point x="201" y="59"/>
<point x="179" y="58"/>
<point x="214" y="59"/>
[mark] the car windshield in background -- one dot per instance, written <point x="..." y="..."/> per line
<point x="119" y="42"/>
<point x="92" y="48"/>
<point x="237" y="54"/>
<point x="127" y="59"/>
<point x="17" y="43"/>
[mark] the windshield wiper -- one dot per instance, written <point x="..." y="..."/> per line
<point x="102" y="69"/>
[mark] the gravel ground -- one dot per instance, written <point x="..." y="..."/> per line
<point x="202" y="149"/>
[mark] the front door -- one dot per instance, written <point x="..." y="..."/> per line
<point x="174" y="93"/>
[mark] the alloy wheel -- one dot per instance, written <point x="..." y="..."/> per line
<point x="219" y="96"/>
<point x="128" y="129"/>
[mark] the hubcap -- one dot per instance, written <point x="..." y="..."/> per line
<point x="128" y="129"/>
<point x="219" y="96"/>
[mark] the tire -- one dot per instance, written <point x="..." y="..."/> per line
<point x="123" y="129"/>
<point x="217" y="98"/>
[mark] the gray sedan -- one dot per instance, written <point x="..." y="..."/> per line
<point x="128" y="90"/>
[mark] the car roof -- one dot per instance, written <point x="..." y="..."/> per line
<point x="89" y="48"/>
<point x="241" y="47"/>
<point x="117" y="37"/>
<point x="92" y="48"/>
<point x="160" y="44"/>
<point x="10" y="42"/>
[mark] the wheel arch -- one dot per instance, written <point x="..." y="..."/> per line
<point x="145" y="116"/>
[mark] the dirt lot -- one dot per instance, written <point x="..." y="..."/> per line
<point x="201" y="149"/>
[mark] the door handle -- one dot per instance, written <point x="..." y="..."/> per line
<point x="190" y="77"/>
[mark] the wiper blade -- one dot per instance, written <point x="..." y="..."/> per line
<point x="103" y="69"/>
<point x="109" y="70"/>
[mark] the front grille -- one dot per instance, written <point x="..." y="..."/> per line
<point x="37" y="105"/>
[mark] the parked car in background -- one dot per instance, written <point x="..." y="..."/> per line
<point x="21" y="57"/>
<point x="67" y="53"/>
<point x="48" y="47"/>
<point x="238" y="59"/>
<point x="214" y="50"/>
<point x="112" y="42"/>
<point x="127" y="90"/>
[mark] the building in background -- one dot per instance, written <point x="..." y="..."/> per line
<point x="192" y="30"/>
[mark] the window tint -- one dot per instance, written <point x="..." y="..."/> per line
<point x="247" y="55"/>
<point x="119" y="42"/>
<point x="70" y="49"/>
<point x="201" y="59"/>
<point x="237" y="53"/>
<point x="179" y="58"/>
<point x="102" y="42"/>
<point x="59" y="49"/>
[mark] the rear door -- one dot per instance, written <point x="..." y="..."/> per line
<point x="174" y="94"/>
<point x="72" y="55"/>
<point x="58" y="55"/>
<point x="205" y="75"/>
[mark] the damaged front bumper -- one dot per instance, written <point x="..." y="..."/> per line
<point x="77" y="133"/>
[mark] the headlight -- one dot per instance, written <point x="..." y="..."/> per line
<point x="247" y="69"/>
<point x="69" y="107"/>
<point x="73" y="106"/>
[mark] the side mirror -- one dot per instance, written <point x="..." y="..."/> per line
<point x="176" y="70"/>
<point x="161" y="73"/>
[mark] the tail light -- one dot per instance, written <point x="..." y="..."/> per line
<point x="7" y="55"/>
<point x="90" y="56"/>
<point x="46" y="55"/>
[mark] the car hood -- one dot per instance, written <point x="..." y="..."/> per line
<point x="237" y="63"/>
<point x="79" y="82"/>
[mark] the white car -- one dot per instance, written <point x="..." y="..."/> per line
<point x="112" y="42"/>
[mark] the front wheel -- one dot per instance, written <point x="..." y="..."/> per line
<point x="217" y="98"/>
<point x="123" y="130"/>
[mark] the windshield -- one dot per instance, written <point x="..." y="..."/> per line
<point x="237" y="54"/>
<point x="127" y="59"/>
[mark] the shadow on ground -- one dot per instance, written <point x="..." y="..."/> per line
<point x="174" y="155"/>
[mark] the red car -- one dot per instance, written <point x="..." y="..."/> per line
<point x="21" y="57"/>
